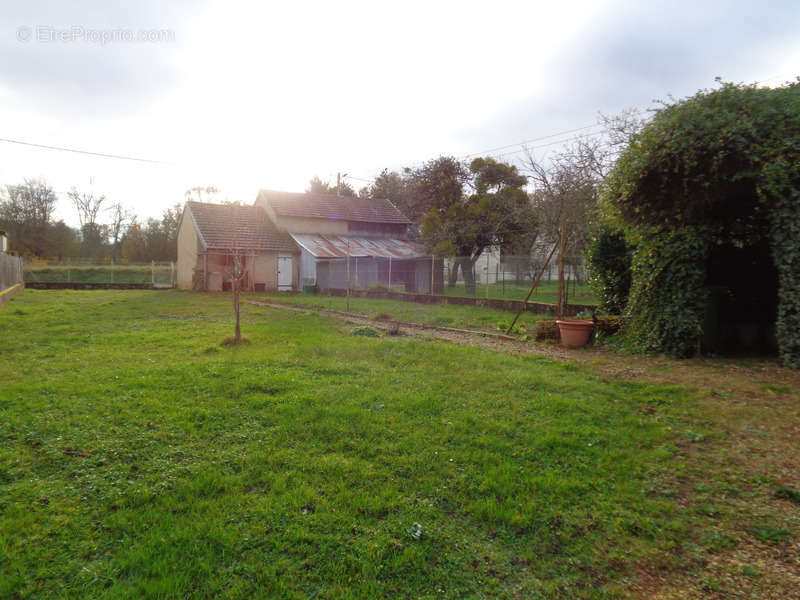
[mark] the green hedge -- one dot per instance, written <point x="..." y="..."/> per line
<point x="609" y="257"/>
<point x="720" y="167"/>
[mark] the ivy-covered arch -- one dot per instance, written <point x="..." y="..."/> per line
<point x="711" y="178"/>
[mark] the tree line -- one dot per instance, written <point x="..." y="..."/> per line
<point x="457" y="208"/>
<point x="106" y="231"/>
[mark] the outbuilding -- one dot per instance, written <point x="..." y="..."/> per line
<point x="209" y="235"/>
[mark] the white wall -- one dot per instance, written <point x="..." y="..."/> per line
<point x="188" y="243"/>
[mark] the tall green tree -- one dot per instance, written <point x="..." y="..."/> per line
<point x="317" y="186"/>
<point x="467" y="209"/>
<point x="389" y="185"/>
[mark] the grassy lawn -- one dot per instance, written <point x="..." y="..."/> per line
<point x="139" y="458"/>
<point x="448" y="315"/>
<point x="99" y="274"/>
<point x="546" y="291"/>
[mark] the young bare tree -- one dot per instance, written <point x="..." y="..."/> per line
<point x="565" y="193"/>
<point x="237" y="270"/>
<point x="237" y="274"/>
<point x="566" y="186"/>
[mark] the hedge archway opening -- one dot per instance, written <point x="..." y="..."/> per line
<point x="742" y="306"/>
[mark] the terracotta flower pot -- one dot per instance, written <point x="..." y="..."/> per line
<point x="575" y="333"/>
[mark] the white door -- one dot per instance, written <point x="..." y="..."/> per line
<point x="284" y="272"/>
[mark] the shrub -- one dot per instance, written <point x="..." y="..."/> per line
<point x="366" y="331"/>
<point x="609" y="258"/>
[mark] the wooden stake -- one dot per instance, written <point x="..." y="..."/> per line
<point x="347" y="267"/>
<point x="533" y="287"/>
<point x="561" y="271"/>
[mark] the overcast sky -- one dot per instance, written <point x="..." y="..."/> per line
<point x="244" y="97"/>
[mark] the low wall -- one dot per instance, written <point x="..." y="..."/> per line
<point x="7" y="295"/>
<point x="66" y="285"/>
<point x="511" y="305"/>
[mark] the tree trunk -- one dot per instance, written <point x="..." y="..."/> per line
<point x="452" y="276"/>
<point x="237" y="335"/>
<point x="468" y="271"/>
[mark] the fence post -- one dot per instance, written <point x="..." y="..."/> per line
<point x="390" y="272"/>
<point x="68" y="275"/>
<point x="172" y="273"/>
<point x="153" y="273"/>
<point x="433" y="270"/>
<point x="487" y="276"/>
<point x="112" y="269"/>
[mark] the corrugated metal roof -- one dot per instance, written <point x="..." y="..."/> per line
<point x="336" y="246"/>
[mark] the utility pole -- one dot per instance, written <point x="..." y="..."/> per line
<point x="339" y="177"/>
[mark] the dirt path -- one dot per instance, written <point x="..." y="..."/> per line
<point x="725" y="376"/>
<point x="755" y="407"/>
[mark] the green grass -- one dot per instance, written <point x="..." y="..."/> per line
<point x="546" y="291"/>
<point x="99" y="274"/>
<point x="447" y="315"/>
<point x="140" y="458"/>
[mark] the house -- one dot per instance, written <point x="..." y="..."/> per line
<point x="210" y="234"/>
<point x="334" y="234"/>
<point x="303" y="241"/>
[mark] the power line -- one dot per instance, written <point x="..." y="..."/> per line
<point x="565" y="140"/>
<point x="523" y="142"/>
<point x="523" y="149"/>
<point x="86" y="152"/>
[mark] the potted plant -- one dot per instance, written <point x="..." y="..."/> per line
<point x="575" y="332"/>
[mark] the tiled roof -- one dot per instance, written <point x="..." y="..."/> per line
<point x="330" y="207"/>
<point x="228" y="226"/>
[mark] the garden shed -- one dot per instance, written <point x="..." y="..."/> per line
<point x="210" y="234"/>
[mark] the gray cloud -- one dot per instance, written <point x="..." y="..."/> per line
<point x="643" y="52"/>
<point x="84" y="77"/>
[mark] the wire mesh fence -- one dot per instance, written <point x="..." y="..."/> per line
<point x="156" y="274"/>
<point x="491" y="276"/>
<point x="496" y="276"/>
<point x="10" y="270"/>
